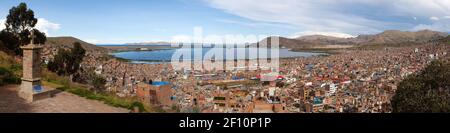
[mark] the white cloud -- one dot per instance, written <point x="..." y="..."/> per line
<point x="434" y="18"/>
<point x="333" y="34"/>
<point x="254" y="24"/>
<point x="45" y="26"/>
<point x="343" y="16"/>
<point x="2" y="24"/>
<point x="437" y="25"/>
<point x="421" y="8"/>
<point x="181" y="38"/>
<point x="218" y="39"/>
<point x="92" y="41"/>
<point x="42" y="25"/>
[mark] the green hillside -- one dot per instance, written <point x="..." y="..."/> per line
<point x="10" y="70"/>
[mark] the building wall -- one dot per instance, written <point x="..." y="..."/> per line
<point x="142" y="93"/>
<point x="163" y="94"/>
<point x="156" y="95"/>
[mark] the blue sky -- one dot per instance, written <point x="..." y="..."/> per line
<point x="119" y="21"/>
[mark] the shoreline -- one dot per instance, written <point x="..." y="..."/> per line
<point x="131" y="61"/>
<point x="322" y="53"/>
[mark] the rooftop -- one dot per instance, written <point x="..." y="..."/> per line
<point x="159" y="83"/>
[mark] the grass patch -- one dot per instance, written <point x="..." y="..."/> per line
<point x="54" y="78"/>
<point x="107" y="98"/>
<point x="50" y="84"/>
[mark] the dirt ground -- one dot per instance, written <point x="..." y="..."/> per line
<point x="62" y="102"/>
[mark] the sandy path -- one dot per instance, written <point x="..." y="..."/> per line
<point x="62" y="103"/>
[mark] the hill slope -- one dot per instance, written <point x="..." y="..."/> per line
<point x="396" y="36"/>
<point x="67" y="42"/>
<point x="325" y="39"/>
<point x="10" y="69"/>
<point x="389" y="37"/>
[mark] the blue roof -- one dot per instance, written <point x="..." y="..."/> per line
<point x="158" y="83"/>
<point x="317" y="100"/>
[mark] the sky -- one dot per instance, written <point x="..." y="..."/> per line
<point x="119" y="21"/>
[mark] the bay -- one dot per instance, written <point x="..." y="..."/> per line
<point x="160" y="56"/>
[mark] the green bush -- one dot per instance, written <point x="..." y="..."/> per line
<point x="62" y="88"/>
<point x="8" y="77"/>
<point x="139" y="105"/>
<point x="12" y="80"/>
<point x="427" y="91"/>
<point x="16" y="67"/>
<point x="219" y="98"/>
<point x="3" y="71"/>
<point x="99" y="83"/>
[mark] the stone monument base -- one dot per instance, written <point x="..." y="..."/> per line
<point x="28" y="93"/>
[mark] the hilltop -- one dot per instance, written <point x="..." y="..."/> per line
<point x="322" y="39"/>
<point x="54" y="43"/>
<point x="396" y="37"/>
<point x="389" y="37"/>
<point x="67" y="42"/>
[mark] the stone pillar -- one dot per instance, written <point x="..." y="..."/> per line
<point x="31" y="71"/>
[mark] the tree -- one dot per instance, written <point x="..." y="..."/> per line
<point x="2" y="46"/>
<point x="10" y="43"/>
<point x="76" y="57"/>
<point x="19" y="23"/>
<point x="67" y="62"/>
<point x="88" y="76"/>
<point x="427" y="91"/>
<point x="98" y="83"/>
<point x="58" y="64"/>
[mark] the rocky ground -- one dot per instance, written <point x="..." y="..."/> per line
<point x="62" y="103"/>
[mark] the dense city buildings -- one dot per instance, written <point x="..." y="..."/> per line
<point x="351" y="80"/>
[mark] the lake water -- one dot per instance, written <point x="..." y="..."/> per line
<point x="159" y="56"/>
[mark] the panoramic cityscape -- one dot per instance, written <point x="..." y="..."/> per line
<point x="211" y="56"/>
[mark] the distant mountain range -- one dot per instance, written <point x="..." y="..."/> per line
<point x="389" y="37"/>
<point x="149" y="43"/>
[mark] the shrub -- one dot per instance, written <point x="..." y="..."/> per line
<point x="427" y="91"/>
<point x="98" y="83"/>
<point x="139" y="105"/>
<point x="8" y="77"/>
<point x="12" y="80"/>
<point x="3" y="71"/>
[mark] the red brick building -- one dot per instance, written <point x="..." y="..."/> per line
<point x="156" y="93"/>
